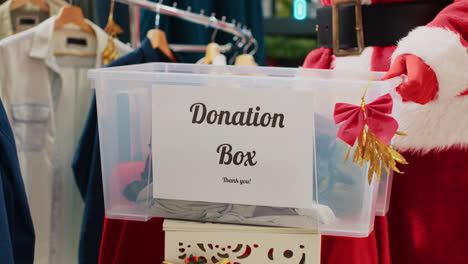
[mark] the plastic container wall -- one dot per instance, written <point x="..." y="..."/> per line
<point x="384" y="194"/>
<point x="343" y="186"/>
<point x="385" y="185"/>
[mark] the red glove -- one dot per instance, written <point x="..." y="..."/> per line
<point x="421" y="86"/>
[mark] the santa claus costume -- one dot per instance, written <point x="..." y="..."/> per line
<point x="426" y="222"/>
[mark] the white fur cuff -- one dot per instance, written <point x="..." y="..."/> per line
<point x="442" y="50"/>
<point x="436" y="126"/>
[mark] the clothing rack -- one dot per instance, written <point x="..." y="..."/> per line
<point x="198" y="48"/>
<point x="242" y="34"/>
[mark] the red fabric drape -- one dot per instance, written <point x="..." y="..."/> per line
<point x="373" y="249"/>
<point x="129" y="242"/>
<point x="429" y="208"/>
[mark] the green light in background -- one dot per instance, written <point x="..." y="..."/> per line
<point x="300" y="9"/>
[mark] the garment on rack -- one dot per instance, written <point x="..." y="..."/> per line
<point x="45" y="97"/>
<point x="16" y="228"/>
<point x="87" y="165"/>
<point x="26" y="17"/>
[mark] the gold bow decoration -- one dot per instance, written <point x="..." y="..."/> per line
<point x="111" y="52"/>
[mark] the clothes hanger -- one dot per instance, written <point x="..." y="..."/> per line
<point x="158" y="39"/>
<point x="16" y="4"/>
<point x="111" y="52"/>
<point x="73" y="15"/>
<point x="188" y="15"/>
<point x="112" y="29"/>
<point x="247" y="59"/>
<point x="212" y="49"/>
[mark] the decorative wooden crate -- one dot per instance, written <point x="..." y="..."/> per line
<point x="240" y="244"/>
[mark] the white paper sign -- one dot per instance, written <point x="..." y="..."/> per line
<point x="233" y="145"/>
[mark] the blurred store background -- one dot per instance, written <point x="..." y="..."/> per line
<point x="289" y="31"/>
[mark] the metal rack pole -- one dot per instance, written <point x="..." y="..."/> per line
<point x="212" y="21"/>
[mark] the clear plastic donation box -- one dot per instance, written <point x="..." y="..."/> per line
<point x="238" y="145"/>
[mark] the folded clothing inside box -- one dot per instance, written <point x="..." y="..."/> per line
<point x="237" y="214"/>
<point x="141" y="192"/>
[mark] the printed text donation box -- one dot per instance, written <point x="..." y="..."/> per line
<point x="233" y="145"/>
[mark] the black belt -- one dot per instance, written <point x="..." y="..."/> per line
<point x="383" y="24"/>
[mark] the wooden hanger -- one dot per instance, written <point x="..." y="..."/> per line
<point x="73" y="15"/>
<point x="158" y="40"/>
<point x="212" y="50"/>
<point x="245" y="60"/>
<point x="20" y="3"/>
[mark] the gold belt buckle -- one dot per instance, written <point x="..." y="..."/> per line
<point x="336" y="28"/>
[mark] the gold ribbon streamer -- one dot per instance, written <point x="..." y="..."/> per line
<point x="370" y="149"/>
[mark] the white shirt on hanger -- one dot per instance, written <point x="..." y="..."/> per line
<point x="47" y="98"/>
<point x="7" y="24"/>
